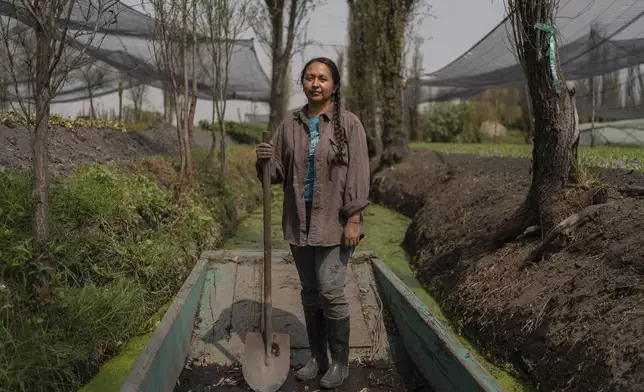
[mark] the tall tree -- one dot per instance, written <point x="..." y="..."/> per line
<point x="394" y="16"/>
<point x="138" y="94"/>
<point x="44" y="58"/>
<point x="40" y="52"/>
<point x="362" y="64"/>
<point x="413" y="115"/>
<point x="553" y="108"/>
<point x="280" y="27"/>
<point x="175" y="53"/>
<point x="93" y="77"/>
<point x="223" y="21"/>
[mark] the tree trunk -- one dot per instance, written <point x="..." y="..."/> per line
<point x="222" y="152"/>
<point x="92" y="112"/>
<point x="394" y="136"/>
<point x="276" y="15"/>
<point x="277" y="85"/>
<point x="526" y="113"/>
<point x="593" y="103"/>
<point x="121" y="97"/>
<point x="415" y="130"/>
<point x="362" y="98"/>
<point x="40" y="140"/>
<point x="213" y="145"/>
<point x="552" y="154"/>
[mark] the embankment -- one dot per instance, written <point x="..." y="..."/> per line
<point x="121" y="246"/>
<point x="71" y="147"/>
<point x="572" y="321"/>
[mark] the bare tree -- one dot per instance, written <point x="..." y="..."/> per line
<point x="138" y="95"/>
<point x="93" y="77"/>
<point x="175" y="39"/>
<point x="555" y="116"/>
<point x="270" y="28"/>
<point x="224" y="21"/>
<point x="58" y="51"/>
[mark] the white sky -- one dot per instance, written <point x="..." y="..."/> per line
<point x="448" y="34"/>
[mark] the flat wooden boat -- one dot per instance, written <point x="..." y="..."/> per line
<point x="392" y="331"/>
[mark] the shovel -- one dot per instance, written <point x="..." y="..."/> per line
<point x="267" y="355"/>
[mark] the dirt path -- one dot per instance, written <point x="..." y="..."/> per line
<point x="573" y="321"/>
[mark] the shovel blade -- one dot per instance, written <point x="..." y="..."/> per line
<point x="259" y="375"/>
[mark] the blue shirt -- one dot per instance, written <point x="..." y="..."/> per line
<point x="314" y="127"/>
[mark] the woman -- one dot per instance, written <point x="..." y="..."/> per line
<point x="320" y="155"/>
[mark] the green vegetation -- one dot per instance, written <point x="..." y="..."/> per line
<point x="121" y="246"/>
<point x="241" y="132"/>
<point x="600" y="156"/>
<point x="12" y="119"/>
<point x="474" y="121"/>
<point x="250" y="232"/>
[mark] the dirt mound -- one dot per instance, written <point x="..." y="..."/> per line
<point x="69" y="147"/>
<point x="573" y="321"/>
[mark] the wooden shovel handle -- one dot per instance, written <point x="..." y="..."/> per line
<point x="268" y="308"/>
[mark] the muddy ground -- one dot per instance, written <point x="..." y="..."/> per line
<point x="573" y="321"/>
<point x="401" y="376"/>
<point x="70" y="147"/>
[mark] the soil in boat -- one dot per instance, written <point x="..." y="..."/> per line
<point x="213" y="361"/>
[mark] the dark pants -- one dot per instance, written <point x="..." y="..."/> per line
<point x="323" y="272"/>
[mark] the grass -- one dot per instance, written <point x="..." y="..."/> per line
<point x="113" y="373"/>
<point x="625" y="157"/>
<point x="121" y="247"/>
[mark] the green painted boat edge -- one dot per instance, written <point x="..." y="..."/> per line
<point x="159" y="365"/>
<point x="444" y="362"/>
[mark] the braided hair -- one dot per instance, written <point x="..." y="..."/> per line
<point x="339" y="132"/>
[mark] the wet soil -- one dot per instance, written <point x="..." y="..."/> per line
<point x="400" y="376"/>
<point x="572" y="321"/>
<point x="361" y="379"/>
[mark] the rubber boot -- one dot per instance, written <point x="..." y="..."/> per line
<point x="339" y="347"/>
<point x="316" y="331"/>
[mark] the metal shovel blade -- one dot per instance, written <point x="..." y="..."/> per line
<point x="260" y="374"/>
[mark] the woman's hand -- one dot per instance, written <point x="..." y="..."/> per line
<point x="264" y="151"/>
<point x="352" y="232"/>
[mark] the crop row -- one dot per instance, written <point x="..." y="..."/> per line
<point x="12" y="119"/>
<point x="624" y="157"/>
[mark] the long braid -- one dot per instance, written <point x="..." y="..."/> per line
<point x="338" y="130"/>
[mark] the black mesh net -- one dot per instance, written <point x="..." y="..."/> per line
<point x="595" y="38"/>
<point x="119" y="42"/>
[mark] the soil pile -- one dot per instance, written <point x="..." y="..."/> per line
<point x="572" y="321"/>
<point x="69" y="147"/>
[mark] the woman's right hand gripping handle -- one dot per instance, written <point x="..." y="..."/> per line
<point x="264" y="151"/>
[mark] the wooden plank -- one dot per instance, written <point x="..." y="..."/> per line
<point x="215" y="314"/>
<point x="440" y="357"/>
<point x="288" y="315"/>
<point x="246" y="310"/>
<point x="359" y="336"/>
<point x="159" y="365"/>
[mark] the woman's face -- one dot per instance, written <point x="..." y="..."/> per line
<point x="317" y="82"/>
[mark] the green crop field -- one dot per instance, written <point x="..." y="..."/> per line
<point x="624" y="157"/>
